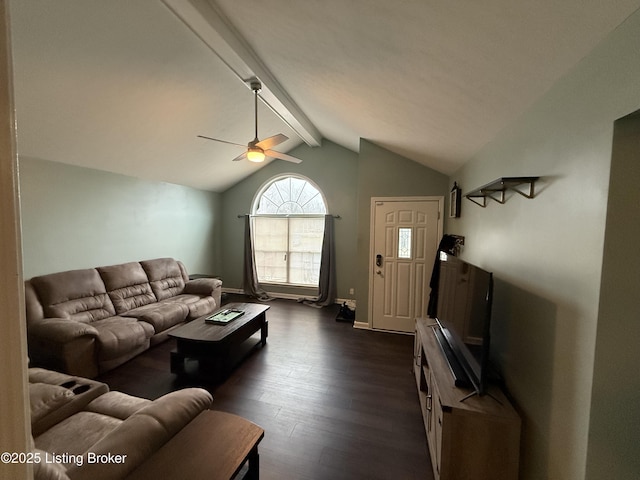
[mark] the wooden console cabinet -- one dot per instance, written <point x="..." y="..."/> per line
<point x="478" y="438"/>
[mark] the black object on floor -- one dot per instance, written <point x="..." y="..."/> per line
<point x="346" y="314"/>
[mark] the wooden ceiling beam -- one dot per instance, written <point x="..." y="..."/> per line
<point x="210" y="24"/>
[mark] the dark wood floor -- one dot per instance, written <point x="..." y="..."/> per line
<point x="335" y="402"/>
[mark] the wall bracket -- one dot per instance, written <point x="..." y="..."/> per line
<point x="496" y="189"/>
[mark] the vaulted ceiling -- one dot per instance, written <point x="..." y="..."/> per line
<point x="126" y="86"/>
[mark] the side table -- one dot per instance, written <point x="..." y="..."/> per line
<point x="213" y="446"/>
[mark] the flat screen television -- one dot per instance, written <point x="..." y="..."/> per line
<point x="463" y="317"/>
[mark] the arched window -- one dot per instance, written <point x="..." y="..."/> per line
<point x="288" y="226"/>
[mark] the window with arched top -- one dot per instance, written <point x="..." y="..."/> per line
<point x="289" y="195"/>
<point x="288" y="227"/>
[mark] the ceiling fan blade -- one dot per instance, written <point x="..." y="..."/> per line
<point x="221" y="141"/>
<point x="271" y="142"/>
<point x="282" y="156"/>
<point x="242" y="156"/>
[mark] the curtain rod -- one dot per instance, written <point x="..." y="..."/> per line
<point x="242" y="216"/>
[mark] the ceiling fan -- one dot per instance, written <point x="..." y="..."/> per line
<point x="257" y="149"/>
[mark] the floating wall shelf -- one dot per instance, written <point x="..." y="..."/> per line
<point x="496" y="189"/>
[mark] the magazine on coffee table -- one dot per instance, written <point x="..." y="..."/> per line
<point x="224" y="316"/>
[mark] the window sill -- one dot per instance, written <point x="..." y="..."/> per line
<point x="289" y="285"/>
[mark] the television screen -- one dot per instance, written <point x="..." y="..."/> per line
<point x="463" y="314"/>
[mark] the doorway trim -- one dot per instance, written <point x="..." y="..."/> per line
<point x="15" y="424"/>
<point x="439" y="198"/>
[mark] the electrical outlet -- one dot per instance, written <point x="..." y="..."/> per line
<point x="352" y="291"/>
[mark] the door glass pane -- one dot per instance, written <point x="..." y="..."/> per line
<point x="404" y="242"/>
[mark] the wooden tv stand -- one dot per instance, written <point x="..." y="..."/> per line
<point x="476" y="438"/>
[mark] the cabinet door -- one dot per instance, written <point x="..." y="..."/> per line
<point x="438" y="419"/>
<point x="417" y="355"/>
<point x="434" y="421"/>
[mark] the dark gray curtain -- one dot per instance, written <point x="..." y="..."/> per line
<point x="327" y="282"/>
<point x="250" y="283"/>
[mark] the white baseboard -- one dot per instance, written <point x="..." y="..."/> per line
<point x="285" y="296"/>
<point x="361" y="325"/>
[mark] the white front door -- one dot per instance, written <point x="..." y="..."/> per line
<point x="405" y="233"/>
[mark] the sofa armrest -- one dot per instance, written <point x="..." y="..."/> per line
<point x="140" y="435"/>
<point x="55" y="396"/>
<point x="63" y="345"/>
<point x="60" y="330"/>
<point x="203" y="286"/>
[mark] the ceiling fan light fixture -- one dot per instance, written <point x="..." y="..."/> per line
<point x="256" y="147"/>
<point x="255" y="155"/>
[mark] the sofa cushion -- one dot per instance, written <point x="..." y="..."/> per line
<point x="165" y="277"/>
<point x="161" y="315"/>
<point x="127" y="285"/>
<point x="118" y="336"/>
<point x="76" y="294"/>
<point x="77" y="433"/>
<point x="197" y="305"/>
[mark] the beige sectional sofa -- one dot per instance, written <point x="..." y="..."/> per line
<point x="86" y="322"/>
<point x="81" y="430"/>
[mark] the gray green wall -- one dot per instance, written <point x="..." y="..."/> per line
<point x="615" y="411"/>
<point x="348" y="181"/>
<point x="334" y="170"/>
<point x="547" y="257"/>
<point x="75" y="217"/>
<point x="382" y="173"/>
<point x="564" y="333"/>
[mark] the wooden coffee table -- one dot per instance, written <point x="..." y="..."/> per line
<point x="218" y="348"/>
